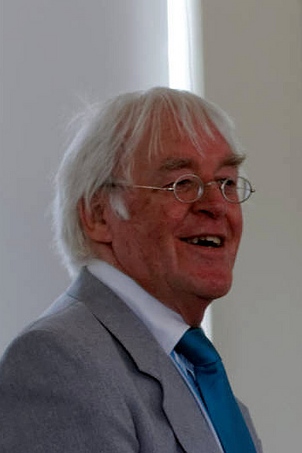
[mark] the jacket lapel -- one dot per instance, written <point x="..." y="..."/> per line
<point x="188" y="423"/>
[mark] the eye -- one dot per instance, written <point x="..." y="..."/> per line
<point x="169" y="186"/>
<point x="185" y="184"/>
<point x="181" y="184"/>
<point x="229" y="186"/>
<point x="228" y="182"/>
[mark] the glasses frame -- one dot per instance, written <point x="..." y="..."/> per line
<point x="220" y="182"/>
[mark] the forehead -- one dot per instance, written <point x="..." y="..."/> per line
<point x="176" y="163"/>
<point x="176" y="153"/>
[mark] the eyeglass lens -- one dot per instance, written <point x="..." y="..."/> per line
<point x="190" y="188"/>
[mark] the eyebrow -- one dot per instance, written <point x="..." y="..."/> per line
<point x="176" y="163"/>
<point x="234" y="160"/>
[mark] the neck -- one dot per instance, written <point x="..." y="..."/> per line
<point x="193" y="314"/>
<point x="190" y="307"/>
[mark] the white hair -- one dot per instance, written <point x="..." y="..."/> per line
<point x="106" y="138"/>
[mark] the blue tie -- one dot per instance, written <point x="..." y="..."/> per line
<point x="216" y="392"/>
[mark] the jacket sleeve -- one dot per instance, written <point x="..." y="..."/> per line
<point x="52" y="401"/>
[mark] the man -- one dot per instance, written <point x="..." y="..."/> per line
<point x="147" y="215"/>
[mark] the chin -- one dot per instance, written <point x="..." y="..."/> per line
<point x="214" y="286"/>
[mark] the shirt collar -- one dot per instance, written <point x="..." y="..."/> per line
<point x="166" y="325"/>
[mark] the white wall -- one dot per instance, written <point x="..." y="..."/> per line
<point x="253" y="68"/>
<point x="51" y="52"/>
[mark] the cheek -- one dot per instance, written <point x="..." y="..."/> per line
<point x="237" y="227"/>
<point x="152" y="228"/>
<point x="239" y="223"/>
<point x="153" y="216"/>
<point x="235" y="219"/>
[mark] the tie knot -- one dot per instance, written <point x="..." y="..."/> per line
<point x="197" y="348"/>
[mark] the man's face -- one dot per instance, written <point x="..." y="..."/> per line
<point x="157" y="245"/>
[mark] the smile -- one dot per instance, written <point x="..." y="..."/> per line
<point x="205" y="241"/>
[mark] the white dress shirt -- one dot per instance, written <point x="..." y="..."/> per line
<point x="166" y="325"/>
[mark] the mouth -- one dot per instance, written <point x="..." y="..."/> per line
<point x="205" y="241"/>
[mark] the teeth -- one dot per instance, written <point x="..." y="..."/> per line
<point x="214" y="239"/>
<point x="200" y="239"/>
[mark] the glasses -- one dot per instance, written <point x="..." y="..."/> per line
<point x="190" y="188"/>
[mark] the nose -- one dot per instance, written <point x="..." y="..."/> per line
<point x="212" y="202"/>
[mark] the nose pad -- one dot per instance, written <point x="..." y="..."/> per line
<point x="213" y="188"/>
<point x="212" y="201"/>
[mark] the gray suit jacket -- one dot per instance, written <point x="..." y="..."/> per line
<point x="89" y="377"/>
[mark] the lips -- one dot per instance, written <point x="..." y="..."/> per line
<point x="205" y="241"/>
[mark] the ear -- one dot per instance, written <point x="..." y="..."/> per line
<point x="93" y="220"/>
